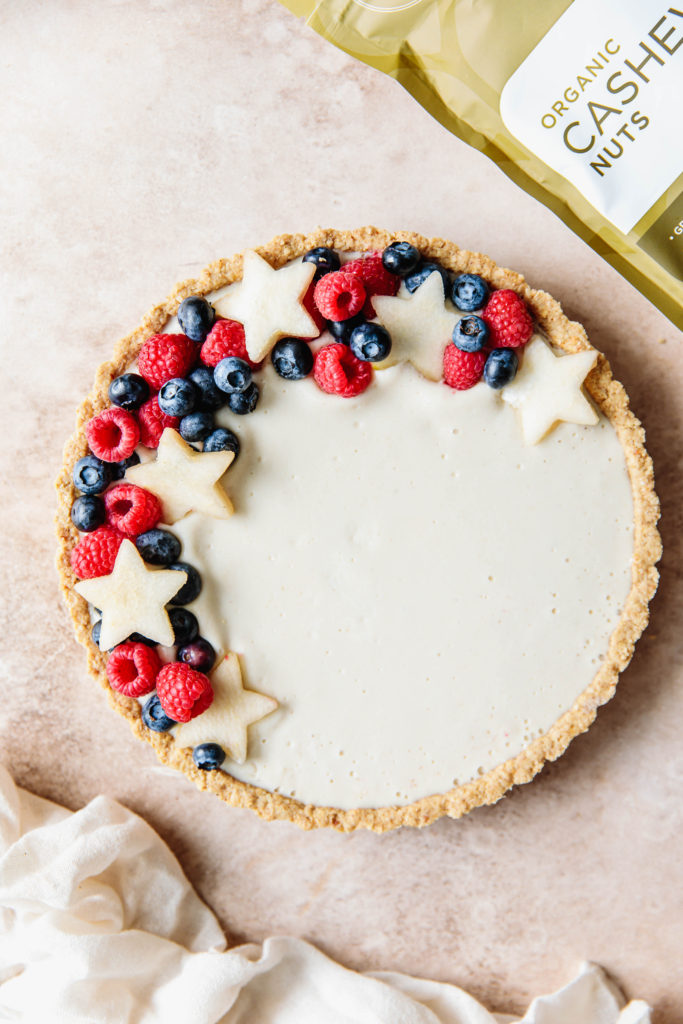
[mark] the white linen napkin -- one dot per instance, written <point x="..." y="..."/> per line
<point x="98" y="925"/>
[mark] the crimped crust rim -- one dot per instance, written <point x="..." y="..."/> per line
<point x="608" y="394"/>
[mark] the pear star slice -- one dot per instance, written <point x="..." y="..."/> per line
<point x="184" y="480"/>
<point x="547" y="389"/>
<point x="133" y="599"/>
<point x="268" y="303"/>
<point x="232" y="711"/>
<point x="420" y="327"/>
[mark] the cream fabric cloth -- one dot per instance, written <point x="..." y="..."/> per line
<point x="98" y="924"/>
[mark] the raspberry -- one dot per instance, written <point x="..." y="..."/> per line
<point x="183" y="692"/>
<point x="164" y="356"/>
<point x="338" y="372"/>
<point x="226" y="338"/>
<point x="96" y="552"/>
<point x="131" y="509"/>
<point x="153" y="422"/>
<point x="132" y="669"/>
<point x="339" y="295"/>
<point x="377" y="280"/>
<point x="308" y="302"/>
<point x="113" y="435"/>
<point x="462" y="370"/>
<point x="509" y="320"/>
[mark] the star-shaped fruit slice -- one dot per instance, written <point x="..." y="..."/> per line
<point x="184" y="480"/>
<point x="547" y="389"/>
<point x="133" y="599"/>
<point x="268" y="303"/>
<point x="420" y="327"/>
<point x="231" y="713"/>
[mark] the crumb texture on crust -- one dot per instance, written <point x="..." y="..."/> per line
<point x="608" y="394"/>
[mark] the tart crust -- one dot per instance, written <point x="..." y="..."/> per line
<point x="608" y="394"/>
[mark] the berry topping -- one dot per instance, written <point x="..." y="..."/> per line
<point x="469" y="292"/>
<point x="198" y="654"/>
<point x="232" y="375"/>
<point x="131" y="510"/>
<point x="243" y="402"/>
<point x="158" y="547"/>
<point x="132" y="669"/>
<point x="400" y="258"/>
<point x="417" y="277"/>
<point x="185" y="627"/>
<point x="91" y="475"/>
<point x="222" y="440"/>
<point x="208" y="756"/>
<point x="196" y="317"/>
<point x="509" y="320"/>
<point x="165" y="356"/>
<point x="197" y="426"/>
<point x="308" y="302"/>
<point x="339" y="295"/>
<point x="375" y="277"/>
<point x="87" y="513"/>
<point x="178" y="397"/>
<point x="462" y="370"/>
<point x="341" y="329"/>
<point x="118" y="469"/>
<point x="95" y="553"/>
<point x="129" y="391"/>
<point x="153" y="422"/>
<point x="370" y="342"/>
<point x="471" y="333"/>
<point x="226" y="339"/>
<point x="501" y="367"/>
<point x="326" y="260"/>
<point x="191" y="588"/>
<point x="113" y="434"/>
<point x="183" y="693"/>
<point x="154" y="716"/>
<point x="210" y="397"/>
<point x="292" y="358"/>
<point x="338" y="372"/>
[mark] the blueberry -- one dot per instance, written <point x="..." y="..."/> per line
<point x="400" y="258"/>
<point x="192" y="587"/>
<point x="501" y="367"/>
<point x="95" y="632"/>
<point x="417" y="277"/>
<point x="178" y="397"/>
<point x="208" y="756"/>
<point x="197" y="426"/>
<point x="469" y="292"/>
<point x="129" y="391"/>
<point x="118" y="469"/>
<point x="341" y="329"/>
<point x="242" y="402"/>
<point x="185" y="626"/>
<point x="199" y="655"/>
<point x="196" y="317"/>
<point x="154" y="716"/>
<point x="91" y="475"/>
<point x="326" y="260"/>
<point x="222" y="440"/>
<point x="470" y="333"/>
<point x="87" y="513"/>
<point x="370" y="342"/>
<point x="138" y="638"/>
<point x="210" y="397"/>
<point x="232" y="375"/>
<point x="292" y="358"/>
<point x="158" y="547"/>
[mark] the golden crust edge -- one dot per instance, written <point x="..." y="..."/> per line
<point x="608" y="394"/>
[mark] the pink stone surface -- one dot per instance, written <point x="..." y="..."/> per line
<point x="141" y="143"/>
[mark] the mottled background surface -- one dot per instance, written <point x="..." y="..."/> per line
<point x="141" y="140"/>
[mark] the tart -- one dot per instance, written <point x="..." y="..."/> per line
<point x="371" y="545"/>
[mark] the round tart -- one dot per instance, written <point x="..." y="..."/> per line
<point x="365" y="529"/>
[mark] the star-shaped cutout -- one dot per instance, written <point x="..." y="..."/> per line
<point x="420" y="327"/>
<point x="268" y="303"/>
<point x="133" y="599"/>
<point x="231" y="713"/>
<point x="184" y="480"/>
<point x="547" y="389"/>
